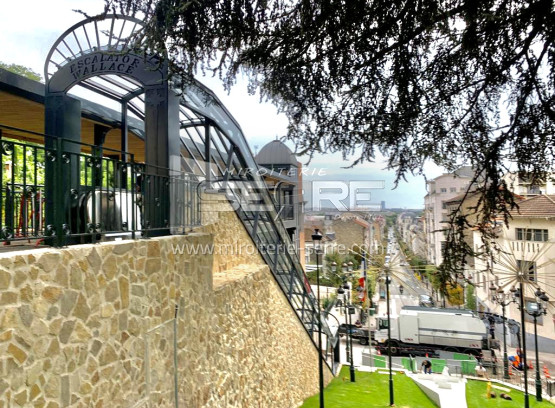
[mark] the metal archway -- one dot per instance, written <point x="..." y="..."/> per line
<point x="189" y="130"/>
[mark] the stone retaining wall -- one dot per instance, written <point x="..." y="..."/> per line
<point x="93" y="326"/>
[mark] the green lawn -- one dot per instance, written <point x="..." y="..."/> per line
<point x="476" y="397"/>
<point x="370" y="390"/>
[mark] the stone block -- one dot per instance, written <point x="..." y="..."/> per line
<point x="21" y="398"/>
<point x="110" y="267"/>
<point x="65" y="397"/>
<point x="19" y="278"/>
<point x="66" y="330"/>
<point x="51" y="294"/>
<point x="138" y="290"/>
<point x="61" y="277"/>
<point x="124" y="291"/>
<point x="108" y="355"/>
<point x="18" y="354"/>
<point x="26" y="294"/>
<point x="8" y="298"/>
<point x="94" y="259"/>
<point x="26" y="315"/>
<point x="35" y="392"/>
<point x="76" y="278"/>
<point x="82" y="309"/>
<point x="48" y="261"/>
<point x="5" y="279"/>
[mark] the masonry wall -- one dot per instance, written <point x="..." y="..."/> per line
<point x="93" y="326"/>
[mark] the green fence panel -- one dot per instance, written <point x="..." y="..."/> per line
<point x="468" y="367"/>
<point x="408" y="364"/>
<point x="437" y="365"/>
<point x="379" y="361"/>
<point x="461" y="356"/>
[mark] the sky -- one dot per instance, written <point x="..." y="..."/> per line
<point x="28" y="28"/>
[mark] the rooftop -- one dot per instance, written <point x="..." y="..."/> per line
<point x="538" y="206"/>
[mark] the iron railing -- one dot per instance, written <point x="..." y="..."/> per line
<point x="65" y="192"/>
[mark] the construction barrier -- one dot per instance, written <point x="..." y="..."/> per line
<point x="409" y="364"/>
<point x="468" y="367"/>
<point x="461" y="356"/>
<point x="438" y="365"/>
<point x="379" y="361"/>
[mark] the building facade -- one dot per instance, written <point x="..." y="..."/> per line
<point x="527" y="256"/>
<point x="440" y="190"/>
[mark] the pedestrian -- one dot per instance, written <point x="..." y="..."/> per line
<point x="481" y="371"/>
<point x="427" y="367"/>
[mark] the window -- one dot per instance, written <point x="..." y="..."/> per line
<point x="524" y="234"/>
<point x="453" y="189"/>
<point x="528" y="269"/>
<point x="533" y="190"/>
<point x="443" y="190"/>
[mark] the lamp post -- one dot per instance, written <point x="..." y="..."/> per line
<point x="349" y="268"/>
<point x="536" y="309"/>
<point x="344" y="290"/>
<point x="316" y="238"/>
<point x="519" y="294"/>
<point x="503" y="299"/>
<point x="391" y="394"/>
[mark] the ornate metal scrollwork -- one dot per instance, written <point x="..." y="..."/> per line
<point x="7" y="148"/>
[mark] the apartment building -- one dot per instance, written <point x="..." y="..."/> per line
<point x="439" y="191"/>
<point x="528" y="256"/>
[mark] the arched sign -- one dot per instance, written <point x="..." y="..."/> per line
<point x="147" y="72"/>
<point x="101" y="55"/>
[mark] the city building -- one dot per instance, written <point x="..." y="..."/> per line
<point x="440" y="190"/>
<point x="527" y="255"/>
<point x="521" y="185"/>
<point x="412" y="227"/>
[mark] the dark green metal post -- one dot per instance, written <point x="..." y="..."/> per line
<point x="316" y="238"/>
<point x="391" y="392"/>
<point x="523" y="334"/>
<point x="505" y="358"/>
<point x="538" y="378"/>
<point x="320" y="366"/>
<point x="350" y="345"/>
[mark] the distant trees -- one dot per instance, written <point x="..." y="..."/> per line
<point x="21" y="70"/>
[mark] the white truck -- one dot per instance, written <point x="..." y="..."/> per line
<point x="423" y="330"/>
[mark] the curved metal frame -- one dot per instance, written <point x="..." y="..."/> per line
<point x="212" y="146"/>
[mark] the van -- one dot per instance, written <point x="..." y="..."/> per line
<point x="426" y="301"/>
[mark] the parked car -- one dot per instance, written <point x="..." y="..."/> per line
<point x="346" y="329"/>
<point x="360" y="333"/>
<point x="426" y="301"/>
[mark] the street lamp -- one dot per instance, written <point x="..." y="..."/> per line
<point x="316" y="238"/>
<point x="519" y="294"/>
<point x="536" y="309"/>
<point x="391" y="394"/>
<point x="503" y="299"/>
<point x="348" y="268"/>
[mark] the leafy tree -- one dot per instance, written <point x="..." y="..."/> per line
<point x="455" y="294"/>
<point x="455" y="82"/>
<point x="21" y="70"/>
<point x="470" y="297"/>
